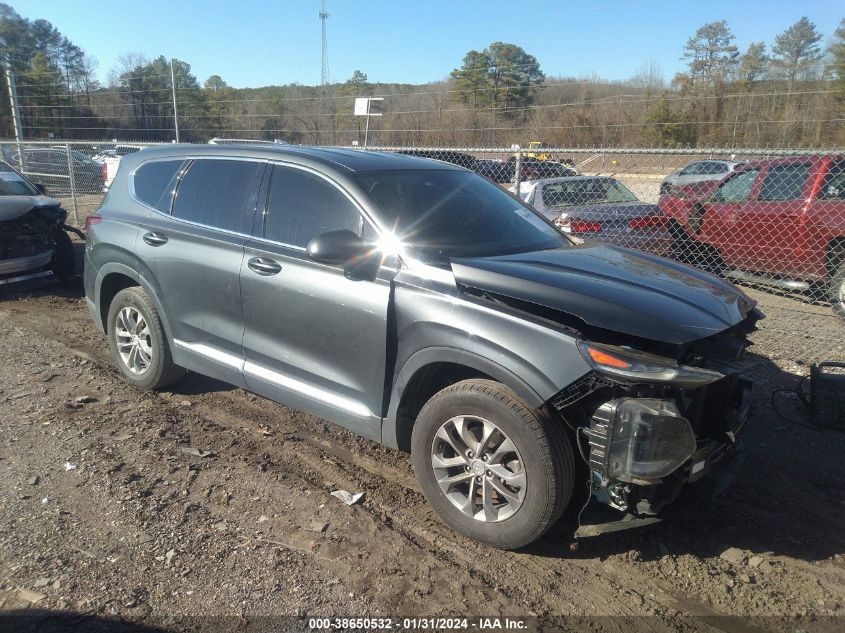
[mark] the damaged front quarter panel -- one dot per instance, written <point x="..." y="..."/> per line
<point x="666" y="399"/>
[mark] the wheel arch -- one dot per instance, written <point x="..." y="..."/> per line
<point x="114" y="277"/>
<point x="428" y="371"/>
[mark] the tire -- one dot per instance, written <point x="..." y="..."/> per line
<point x="836" y="292"/>
<point x="151" y="366"/>
<point x="64" y="257"/>
<point x="542" y="463"/>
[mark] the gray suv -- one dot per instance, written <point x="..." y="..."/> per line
<point x="421" y="306"/>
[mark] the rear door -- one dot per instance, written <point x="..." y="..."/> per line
<point x="314" y="338"/>
<point x="195" y="253"/>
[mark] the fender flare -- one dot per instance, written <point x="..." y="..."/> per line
<point x="141" y="280"/>
<point x="391" y="432"/>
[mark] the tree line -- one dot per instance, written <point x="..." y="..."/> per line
<point x="789" y="92"/>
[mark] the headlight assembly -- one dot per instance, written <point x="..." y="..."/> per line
<point x="632" y="366"/>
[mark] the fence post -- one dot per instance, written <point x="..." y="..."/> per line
<point x="72" y="185"/>
<point x="517" y="173"/>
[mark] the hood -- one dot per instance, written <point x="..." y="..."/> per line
<point x="13" y="207"/>
<point x="613" y="288"/>
<point x="612" y="211"/>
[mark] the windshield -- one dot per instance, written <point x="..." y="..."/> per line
<point x="442" y="214"/>
<point x="13" y="184"/>
<point x="586" y="191"/>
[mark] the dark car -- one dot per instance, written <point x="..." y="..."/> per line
<point x="421" y="306"/>
<point x="49" y="166"/>
<point x="601" y="208"/>
<point x="531" y="169"/>
<point x="447" y="156"/>
<point x="33" y="242"/>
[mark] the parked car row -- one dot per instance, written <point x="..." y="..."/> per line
<point x="51" y="168"/>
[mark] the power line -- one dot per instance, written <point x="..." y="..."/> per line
<point x="622" y="99"/>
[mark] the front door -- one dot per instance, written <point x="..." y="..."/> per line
<point x="718" y="217"/>
<point x="314" y="337"/>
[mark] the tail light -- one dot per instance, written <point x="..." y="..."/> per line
<point x="91" y="220"/>
<point x="582" y="226"/>
<point x="648" y="223"/>
<point x="104" y="172"/>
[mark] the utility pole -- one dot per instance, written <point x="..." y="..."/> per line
<point x="324" y="65"/>
<point x="175" y="111"/>
<point x="16" y="113"/>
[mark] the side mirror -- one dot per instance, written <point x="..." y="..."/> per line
<point x="41" y="189"/>
<point x="337" y="247"/>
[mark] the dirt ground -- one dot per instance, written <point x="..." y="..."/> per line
<point x="208" y="507"/>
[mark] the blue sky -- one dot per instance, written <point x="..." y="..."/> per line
<point x="264" y="42"/>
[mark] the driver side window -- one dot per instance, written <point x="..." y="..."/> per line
<point x="302" y="205"/>
<point x="736" y="189"/>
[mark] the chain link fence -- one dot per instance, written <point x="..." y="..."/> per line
<point x="771" y="220"/>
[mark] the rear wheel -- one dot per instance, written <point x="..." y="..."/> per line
<point x="490" y="466"/>
<point x="137" y="341"/>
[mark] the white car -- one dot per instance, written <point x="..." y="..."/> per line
<point x="110" y="157"/>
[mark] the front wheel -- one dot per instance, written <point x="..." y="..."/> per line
<point x="490" y="466"/>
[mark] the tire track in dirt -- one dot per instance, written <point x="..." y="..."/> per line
<point x="546" y="583"/>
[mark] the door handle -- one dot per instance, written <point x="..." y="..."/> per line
<point x="264" y="266"/>
<point x="155" y="239"/>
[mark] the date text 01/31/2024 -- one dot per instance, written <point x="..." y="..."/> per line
<point x="483" y="624"/>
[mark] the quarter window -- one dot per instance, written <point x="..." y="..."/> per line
<point x="784" y="182"/>
<point x="154" y="183"/>
<point x="302" y="206"/>
<point x="219" y="193"/>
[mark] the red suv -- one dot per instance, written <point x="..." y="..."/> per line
<point x="778" y="222"/>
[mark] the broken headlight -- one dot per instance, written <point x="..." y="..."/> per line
<point x="633" y="366"/>
<point x="639" y="440"/>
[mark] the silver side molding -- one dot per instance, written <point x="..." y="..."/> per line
<point x="274" y="377"/>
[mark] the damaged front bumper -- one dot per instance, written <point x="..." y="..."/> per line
<point x="647" y="428"/>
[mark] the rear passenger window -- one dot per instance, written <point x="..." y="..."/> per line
<point x="302" y="206"/>
<point x="219" y="193"/>
<point x="154" y="182"/>
<point x="784" y="182"/>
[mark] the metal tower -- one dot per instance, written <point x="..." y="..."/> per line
<point x="324" y="77"/>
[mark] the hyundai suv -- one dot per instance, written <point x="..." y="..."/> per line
<point x="421" y="306"/>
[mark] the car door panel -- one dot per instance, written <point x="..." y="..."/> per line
<point x="197" y="268"/>
<point x="314" y="337"/>
<point x="771" y="222"/>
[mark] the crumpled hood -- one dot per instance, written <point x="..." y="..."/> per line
<point x="13" y="207"/>
<point x="613" y="288"/>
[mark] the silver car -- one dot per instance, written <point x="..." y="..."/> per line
<point x="699" y="171"/>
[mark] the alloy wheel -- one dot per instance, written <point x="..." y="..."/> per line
<point x="134" y="341"/>
<point x="478" y="468"/>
